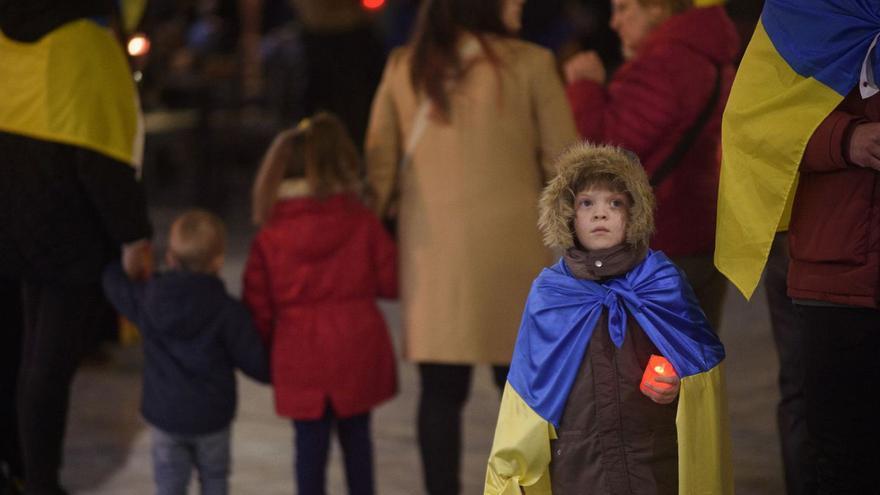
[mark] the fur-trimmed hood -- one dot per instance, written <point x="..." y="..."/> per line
<point x="583" y="160"/>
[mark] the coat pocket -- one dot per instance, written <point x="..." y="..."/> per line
<point x="831" y="218"/>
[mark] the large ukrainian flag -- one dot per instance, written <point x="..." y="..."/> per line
<point x="560" y="317"/>
<point x="803" y="59"/>
<point x="57" y="89"/>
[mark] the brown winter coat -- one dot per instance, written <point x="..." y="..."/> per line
<point x="469" y="248"/>
<point x="611" y="435"/>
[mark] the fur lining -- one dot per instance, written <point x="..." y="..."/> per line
<point x="557" y="200"/>
<point x="294" y="188"/>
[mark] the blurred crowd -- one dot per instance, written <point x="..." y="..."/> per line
<point x="320" y="89"/>
<point x="292" y="58"/>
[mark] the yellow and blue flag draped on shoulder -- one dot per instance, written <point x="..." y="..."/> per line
<point x="559" y="319"/>
<point x="59" y="89"/>
<point x="803" y="59"/>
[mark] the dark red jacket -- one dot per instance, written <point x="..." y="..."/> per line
<point x="648" y="106"/>
<point x="834" y="234"/>
<point x="312" y="279"/>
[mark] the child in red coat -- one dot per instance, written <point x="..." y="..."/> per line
<point x="315" y="270"/>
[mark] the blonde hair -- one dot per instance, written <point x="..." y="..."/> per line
<point x="196" y="239"/>
<point x="319" y="150"/>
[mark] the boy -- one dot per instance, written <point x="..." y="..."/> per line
<point x="574" y="417"/>
<point x="195" y="335"/>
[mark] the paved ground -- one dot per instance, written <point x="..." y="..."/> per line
<point x="107" y="450"/>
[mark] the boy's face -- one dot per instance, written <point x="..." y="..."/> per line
<point x="600" y="217"/>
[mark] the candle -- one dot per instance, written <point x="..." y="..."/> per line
<point x="657" y="366"/>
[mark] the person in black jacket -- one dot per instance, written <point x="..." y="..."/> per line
<point x="70" y="198"/>
<point x="195" y="335"/>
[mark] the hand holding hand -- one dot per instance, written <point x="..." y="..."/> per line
<point x="864" y="145"/>
<point x="662" y="394"/>
<point x="137" y="259"/>
<point x="585" y="66"/>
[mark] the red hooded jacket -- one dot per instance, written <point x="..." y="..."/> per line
<point x="312" y="279"/>
<point x="651" y="102"/>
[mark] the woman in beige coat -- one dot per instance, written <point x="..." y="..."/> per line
<point x="495" y="115"/>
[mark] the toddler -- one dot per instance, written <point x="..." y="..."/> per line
<point x="195" y="335"/>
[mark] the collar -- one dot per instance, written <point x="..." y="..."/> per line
<point x="294" y="188"/>
<point x="602" y="263"/>
<point x="867" y="83"/>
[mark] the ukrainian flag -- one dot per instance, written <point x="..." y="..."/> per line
<point x="560" y="317"/>
<point x="803" y="59"/>
<point x="57" y="89"/>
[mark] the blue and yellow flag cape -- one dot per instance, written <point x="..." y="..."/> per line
<point x="57" y="89"/>
<point x="559" y="319"/>
<point x="803" y="59"/>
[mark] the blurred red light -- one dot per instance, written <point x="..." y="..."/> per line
<point x="372" y="4"/>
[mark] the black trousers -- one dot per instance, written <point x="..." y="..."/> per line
<point x="841" y="351"/>
<point x="59" y="328"/>
<point x="444" y="391"/>
<point x="798" y="457"/>
<point x="10" y="358"/>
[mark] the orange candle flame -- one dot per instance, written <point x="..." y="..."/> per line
<point x="657" y="366"/>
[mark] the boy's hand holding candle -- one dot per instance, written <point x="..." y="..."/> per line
<point x="660" y="382"/>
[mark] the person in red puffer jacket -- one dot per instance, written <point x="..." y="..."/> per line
<point x="670" y="92"/>
<point x="315" y="270"/>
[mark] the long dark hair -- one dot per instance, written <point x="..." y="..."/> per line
<point x="434" y="42"/>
